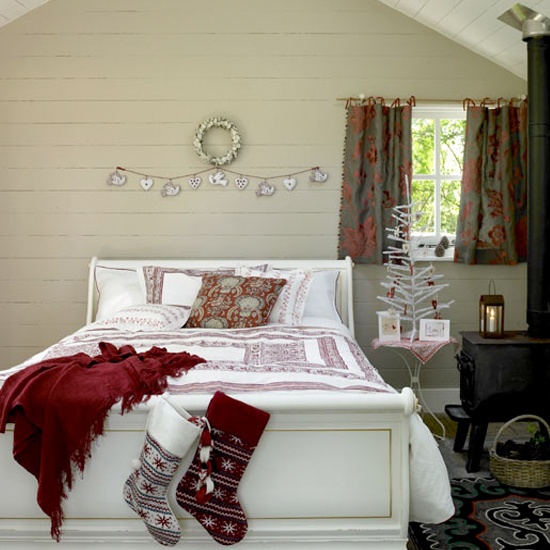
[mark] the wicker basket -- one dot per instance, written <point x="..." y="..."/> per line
<point x="531" y="474"/>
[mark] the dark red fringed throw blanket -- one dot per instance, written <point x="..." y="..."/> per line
<point x="59" y="406"/>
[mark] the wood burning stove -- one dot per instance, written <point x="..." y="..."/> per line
<point x="499" y="380"/>
<point x="502" y="378"/>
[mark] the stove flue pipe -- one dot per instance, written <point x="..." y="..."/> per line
<point x="536" y="35"/>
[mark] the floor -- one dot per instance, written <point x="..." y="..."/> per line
<point x="515" y="431"/>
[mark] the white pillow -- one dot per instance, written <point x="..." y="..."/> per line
<point x="147" y="318"/>
<point x="170" y="286"/>
<point x="117" y="288"/>
<point x="290" y="304"/>
<point x="325" y="322"/>
<point x="321" y="298"/>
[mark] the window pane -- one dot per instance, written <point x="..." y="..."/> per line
<point x="452" y="145"/>
<point x="450" y="203"/>
<point x="423" y="199"/>
<point x="423" y="146"/>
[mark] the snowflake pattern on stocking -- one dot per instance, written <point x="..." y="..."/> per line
<point x="145" y="491"/>
<point x="222" y="515"/>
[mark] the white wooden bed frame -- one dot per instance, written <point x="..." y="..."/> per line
<point x="331" y="471"/>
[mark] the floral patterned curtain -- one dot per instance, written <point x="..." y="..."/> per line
<point x="377" y="162"/>
<point x="492" y="222"/>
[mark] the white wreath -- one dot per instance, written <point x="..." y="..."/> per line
<point x="231" y="155"/>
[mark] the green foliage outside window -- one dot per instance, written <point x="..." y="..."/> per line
<point x="438" y="147"/>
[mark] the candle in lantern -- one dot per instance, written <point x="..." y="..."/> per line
<point x="491" y="320"/>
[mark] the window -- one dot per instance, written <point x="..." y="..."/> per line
<point x="437" y="150"/>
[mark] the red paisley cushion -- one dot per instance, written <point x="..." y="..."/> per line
<point x="232" y="301"/>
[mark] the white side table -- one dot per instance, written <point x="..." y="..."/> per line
<point x="415" y="355"/>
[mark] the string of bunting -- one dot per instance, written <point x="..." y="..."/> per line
<point x="216" y="177"/>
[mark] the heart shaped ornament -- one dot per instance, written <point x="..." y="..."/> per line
<point x="194" y="182"/>
<point x="241" y="182"/>
<point x="290" y="183"/>
<point x="146" y="183"/>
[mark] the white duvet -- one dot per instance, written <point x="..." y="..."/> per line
<point x="278" y="358"/>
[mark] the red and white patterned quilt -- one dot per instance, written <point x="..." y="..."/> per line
<point x="269" y="358"/>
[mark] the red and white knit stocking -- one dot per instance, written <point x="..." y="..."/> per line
<point x="208" y="491"/>
<point x="170" y="434"/>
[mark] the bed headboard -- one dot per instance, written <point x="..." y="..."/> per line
<point x="344" y="290"/>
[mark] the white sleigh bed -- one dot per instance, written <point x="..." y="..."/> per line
<point x="337" y="467"/>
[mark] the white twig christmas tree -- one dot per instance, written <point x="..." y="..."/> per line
<point x="412" y="291"/>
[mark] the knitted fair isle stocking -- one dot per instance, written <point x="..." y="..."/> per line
<point x="208" y="491"/>
<point x="169" y="436"/>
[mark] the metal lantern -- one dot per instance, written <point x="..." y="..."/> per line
<point x="491" y="314"/>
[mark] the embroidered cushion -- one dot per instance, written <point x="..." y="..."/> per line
<point x="169" y="285"/>
<point x="290" y="305"/>
<point x="178" y="286"/>
<point x="147" y="318"/>
<point x="231" y="301"/>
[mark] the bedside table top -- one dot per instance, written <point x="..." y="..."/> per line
<point x="423" y="350"/>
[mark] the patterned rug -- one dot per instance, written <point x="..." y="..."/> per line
<point x="489" y="516"/>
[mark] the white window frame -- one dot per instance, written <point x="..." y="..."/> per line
<point x="423" y="247"/>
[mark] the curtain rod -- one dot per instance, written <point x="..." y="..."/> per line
<point x="413" y="100"/>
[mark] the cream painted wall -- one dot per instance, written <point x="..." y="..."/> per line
<point x="86" y="86"/>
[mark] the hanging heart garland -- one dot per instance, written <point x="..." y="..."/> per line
<point x="217" y="178"/>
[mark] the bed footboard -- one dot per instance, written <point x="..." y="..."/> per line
<point x="326" y="474"/>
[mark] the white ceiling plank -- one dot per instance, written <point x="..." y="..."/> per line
<point x="31" y="4"/>
<point x="462" y="15"/>
<point x="500" y="40"/>
<point x="472" y="23"/>
<point x="10" y="10"/>
<point x="436" y="10"/>
<point x="410" y="7"/>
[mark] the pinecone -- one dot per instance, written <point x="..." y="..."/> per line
<point x="439" y="250"/>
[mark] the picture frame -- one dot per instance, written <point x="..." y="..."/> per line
<point x="389" y="326"/>
<point x="435" y="330"/>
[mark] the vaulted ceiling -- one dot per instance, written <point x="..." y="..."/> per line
<point x="474" y="24"/>
<point x="12" y="9"/>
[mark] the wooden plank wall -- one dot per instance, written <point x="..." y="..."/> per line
<point x="86" y="86"/>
